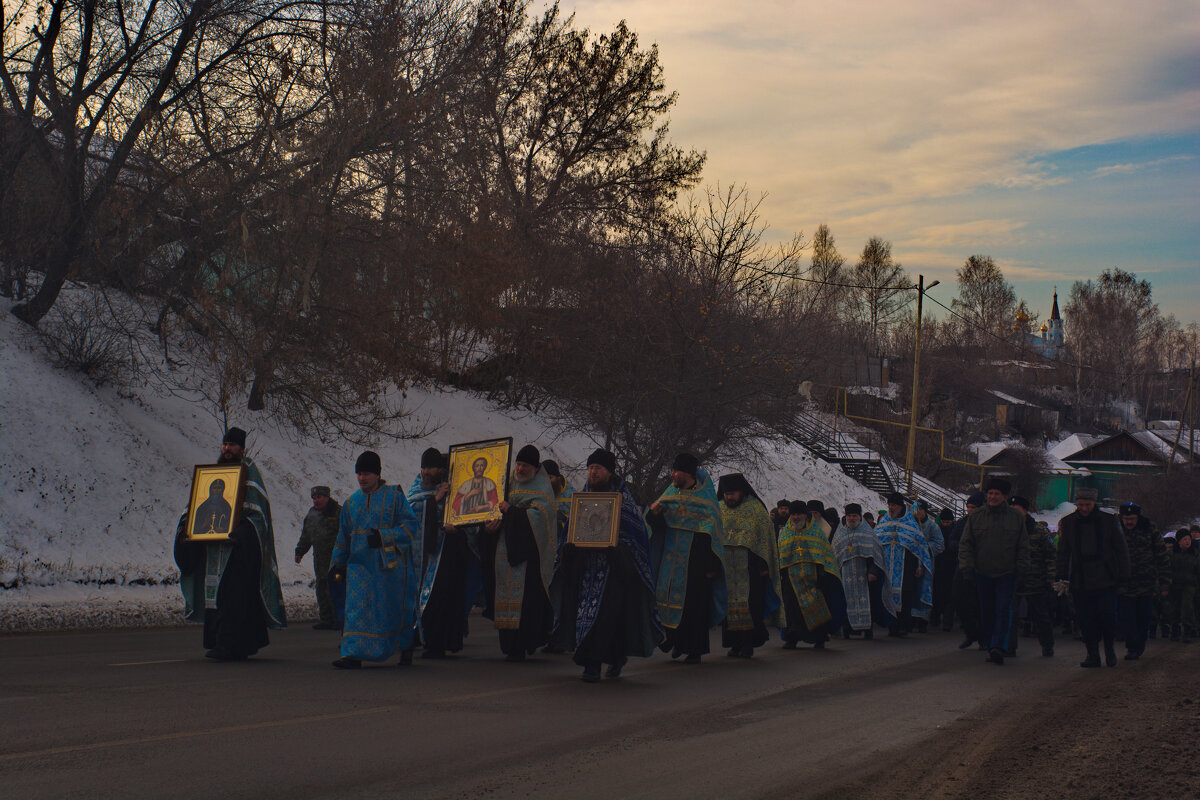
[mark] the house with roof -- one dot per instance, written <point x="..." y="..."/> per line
<point x="1123" y="454"/>
<point x="1055" y="486"/>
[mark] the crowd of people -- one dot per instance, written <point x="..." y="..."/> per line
<point x="394" y="578"/>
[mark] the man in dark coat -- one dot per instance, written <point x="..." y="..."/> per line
<point x="945" y="564"/>
<point x="1149" y="577"/>
<point x="966" y="598"/>
<point x="1093" y="557"/>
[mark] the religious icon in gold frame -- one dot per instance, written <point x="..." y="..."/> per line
<point x="478" y="481"/>
<point x="595" y="519"/>
<point x="216" y="504"/>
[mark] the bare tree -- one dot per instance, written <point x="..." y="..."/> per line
<point x="1113" y="327"/>
<point x="986" y="301"/>
<point x="884" y="290"/>
<point x="87" y="82"/>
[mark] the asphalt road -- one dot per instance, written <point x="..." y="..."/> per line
<point x="141" y="713"/>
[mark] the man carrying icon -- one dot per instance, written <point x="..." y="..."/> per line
<point x="232" y="586"/>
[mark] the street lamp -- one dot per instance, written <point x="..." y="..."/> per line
<point x="912" y="425"/>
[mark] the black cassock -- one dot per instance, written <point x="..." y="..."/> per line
<point x="444" y="620"/>
<point x="237" y="627"/>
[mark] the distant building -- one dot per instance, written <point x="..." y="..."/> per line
<point x="1050" y="341"/>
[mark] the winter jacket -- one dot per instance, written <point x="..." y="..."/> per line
<point x="1041" y="559"/>
<point x="1185" y="568"/>
<point x="995" y="542"/>
<point x="319" y="531"/>
<point x="1092" y="553"/>
<point x="1149" y="562"/>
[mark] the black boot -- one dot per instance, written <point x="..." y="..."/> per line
<point x="1110" y="655"/>
<point x="1093" y="657"/>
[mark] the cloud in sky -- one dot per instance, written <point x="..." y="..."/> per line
<point x="923" y="119"/>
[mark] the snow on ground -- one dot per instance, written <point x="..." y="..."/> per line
<point x="1053" y="515"/>
<point x="93" y="481"/>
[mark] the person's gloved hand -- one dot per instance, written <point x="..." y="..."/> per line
<point x="967" y="573"/>
<point x="374" y="540"/>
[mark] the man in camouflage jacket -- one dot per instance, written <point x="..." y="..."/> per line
<point x="1149" y="577"/>
<point x="319" y="531"/>
<point x="1034" y="586"/>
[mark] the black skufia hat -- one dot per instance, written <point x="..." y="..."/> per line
<point x="686" y="462"/>
<point x="529" y="455"/>
<point x="604" y="458"/>
<point x="368" y="462"/>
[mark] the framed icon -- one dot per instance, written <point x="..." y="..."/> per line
<point x="216" y="505"/>
<point x="478" y="481"/>
<point x="595" y="519"/>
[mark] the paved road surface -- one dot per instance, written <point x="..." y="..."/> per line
<point x="141" y="713"/>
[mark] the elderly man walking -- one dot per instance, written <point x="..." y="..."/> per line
<point x="1093" y="556"/>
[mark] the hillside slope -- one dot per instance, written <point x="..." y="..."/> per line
<point x="93" y="480"/>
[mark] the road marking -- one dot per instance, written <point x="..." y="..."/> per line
<point x="142" y="663"/>
<point x="253" y="726"/>
<point x="166" y="737"/>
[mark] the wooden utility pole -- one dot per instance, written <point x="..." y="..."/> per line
<point x="1183" y="416"/>
<point x="912" y="425"/>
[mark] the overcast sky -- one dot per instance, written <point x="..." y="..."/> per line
<point x="1060" y="138"/>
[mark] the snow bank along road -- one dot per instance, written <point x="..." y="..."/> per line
<point x="140" y="713"/>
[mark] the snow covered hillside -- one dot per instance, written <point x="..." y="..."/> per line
<point x="93" y="481"/>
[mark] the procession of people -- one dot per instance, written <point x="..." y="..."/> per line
<point x="393" y="575"/>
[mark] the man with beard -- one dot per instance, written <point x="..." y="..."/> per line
<point x="751" y="567"/>
<point x="1149" y="578"/>
<point x="427" y="498"/>
<point x="604" y="598"/>
<point x="233" y="586"/>
<point x="688" y="550"/>
<point x="319" y="531"/>
<point x="377" y="556"/>
<point x="524" y="559"/>
<point x="994" y="550"/>
<point x="813" y="599"/>
<point x="864" y="576"/>
<point x="909" y="564"/>
<point x="477" y="493"/>
<point x="780" y="514"/>
<point x="1094" y="558"/>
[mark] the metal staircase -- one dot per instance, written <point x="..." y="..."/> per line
<point x="864" y="463"/>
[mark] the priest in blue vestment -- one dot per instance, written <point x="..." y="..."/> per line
<point x="427" y="498"/>
<point x="376" y="554"/>
<point x="909" y="564"/>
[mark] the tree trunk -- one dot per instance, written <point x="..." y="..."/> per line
<point x="54" y="275"/>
